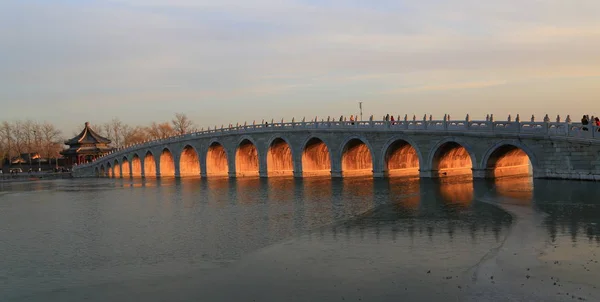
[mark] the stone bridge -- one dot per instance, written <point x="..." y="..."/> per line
<point x="425" y="148"/>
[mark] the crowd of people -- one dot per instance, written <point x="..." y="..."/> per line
<point x="586" y="120"/>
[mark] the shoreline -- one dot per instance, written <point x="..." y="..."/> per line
<point x="33" y="177"/>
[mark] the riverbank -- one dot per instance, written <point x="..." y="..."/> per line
<point x="33" y="176"/>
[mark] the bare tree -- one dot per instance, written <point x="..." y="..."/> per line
<point x="133" y="135"/>
<point x="19" y="138"/>
<point x="27" y="133"/>
<point x="117" y="132"/>
<point x="6" y="140"/>
<point x="157" y="131"/>
<point x="106" y="130"/>
<point x="182" y="124"/>
<point x="51" y="141"/>
<point x="36" y="144"/>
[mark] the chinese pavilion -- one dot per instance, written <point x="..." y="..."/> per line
<point x="85" y="147"/>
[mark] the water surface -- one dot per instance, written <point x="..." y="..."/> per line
<point x="285" y="239"/>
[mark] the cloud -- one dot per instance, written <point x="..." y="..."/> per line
<point x="450" y="86"/>
<point x="279" y="55"/>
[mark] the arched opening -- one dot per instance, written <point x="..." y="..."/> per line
<point x="167" y="164"/>
<point x="102" y="171"/>
<point x="189" y="164"/>
<point x="246" y="159"/>
<point x="316" y="159"/>
<point x="117" y="169"/>
<point x="149" y="165"/>
<point x="508" y="160"/>
<point x="109" y="170"/>
<point x="125" y="168"/>
<point x="452" y="159"/>
<point x="356" y="159"/>
<point x="136" y="166"/>
<point x="279" y="159"/>
<point x="216" y="161"/>
<point x="401" y="159"/>
<point x="96" y="172"/>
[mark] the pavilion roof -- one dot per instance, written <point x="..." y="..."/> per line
<point x="88" y="136"/>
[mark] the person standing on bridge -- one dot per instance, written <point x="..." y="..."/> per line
<point x="584" y="123"/>
<point x="352" y="119"/>
<point x="392" y="119"/>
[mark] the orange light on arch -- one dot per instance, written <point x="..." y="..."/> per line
<point x="279" y="159"/>
<point x="356" y="159"/>
<point x="316" y="159"/>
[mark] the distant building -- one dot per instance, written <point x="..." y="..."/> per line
<point x="33" y="161"/>
<point x="27" y="158"/>
<point x="85" y="147"/>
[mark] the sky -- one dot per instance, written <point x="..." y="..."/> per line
<point x="226" y="61"/>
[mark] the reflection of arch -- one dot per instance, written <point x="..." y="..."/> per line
<point x="457" y="193"/>
<point x="316" y="158"/>
<point x="125" y="167"/>
<point x="189" y="163"/>
<point x="149" y="165"/>
<point x="136" y="166"/>
<point x="356" y="157"/>
<point x="166" y="163"/>
<point x="519" y="189"/>
<point x="246" y="158"/>
<point x="117" y="169"/>
<point x="216" y="160"/>
<point x="451" y="157"/>
<point x="280" y="160"/>
<point x="508" y="158"/>
<point x="400" y="157"/>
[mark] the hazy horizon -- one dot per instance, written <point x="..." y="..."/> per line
<point x="68" y="62"/>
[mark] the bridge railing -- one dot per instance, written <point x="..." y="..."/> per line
<point x="568" y="129"/>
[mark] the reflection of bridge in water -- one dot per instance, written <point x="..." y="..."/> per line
<point x="425" y="148"/>
<point x="444" y="207"/>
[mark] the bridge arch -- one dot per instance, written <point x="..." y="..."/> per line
<point x="189" y="162"/>
<point x="452" y="157"/>
<point x="102" y="171"/>
<point x="217" y="163"/>
<point x="109" y="170"/>
<point x="316" y="157"/>
<point x="280" y="157"/>
<point x="356" y="156"/>
<point x="96" y="172"/>
<point x="166" y="163"/>
<point x="149" y="164"/>
<point x="508" y="158"/>
<point x="136" y="165"/>
<point x="401" y="156"/>
<point x="125" y="167"/>
<point x="247" y="157"/>
<point x="117" y="169"/>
